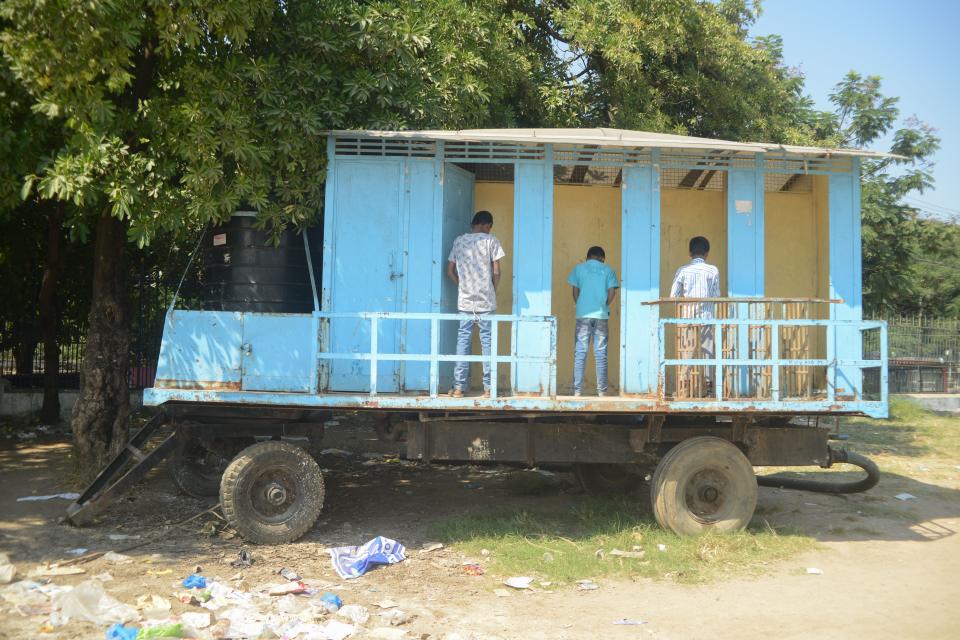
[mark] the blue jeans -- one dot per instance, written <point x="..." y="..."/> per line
<point x="596" y="329"/>
<point x="461" y="373"/>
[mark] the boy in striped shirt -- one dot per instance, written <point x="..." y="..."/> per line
<point x="697" y="279"/>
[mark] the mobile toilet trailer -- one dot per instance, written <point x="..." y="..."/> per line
<point x="790" y="340"/>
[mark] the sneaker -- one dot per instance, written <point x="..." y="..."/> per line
<point x="601" y="394"/>
<point x="455" y="393"/>
<point x="486" y="394"/>
<point x="577" y="394"/>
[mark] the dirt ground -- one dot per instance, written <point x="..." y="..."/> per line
<point x="890" y="567"/>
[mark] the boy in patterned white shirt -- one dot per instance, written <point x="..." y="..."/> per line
<point x="697" y="279"/>
<point x="474" y="265"/>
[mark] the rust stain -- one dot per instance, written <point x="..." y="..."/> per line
<point x="202" y="385"/>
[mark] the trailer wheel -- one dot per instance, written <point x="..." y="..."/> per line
<point x="195" y="469"/>
<point x="272" y="493"/>
<point x="604" y="479"/>
<point x="704" y="484"/>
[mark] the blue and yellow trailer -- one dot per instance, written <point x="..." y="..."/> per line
<point x="791" y="341"/>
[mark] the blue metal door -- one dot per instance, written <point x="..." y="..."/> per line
<point x="200" y="350"/>
<point x="458" y="209"/>
<point x="279" y="352"/>
<point x="368" y="264"/>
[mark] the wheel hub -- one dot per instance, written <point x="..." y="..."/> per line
<point x="705" y="494"/>
<point x="709" y="494"/>
<point x="276" y="494"/>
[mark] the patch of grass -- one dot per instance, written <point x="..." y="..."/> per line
<point x="562" y="546"/>
<point x="911" y="430"/>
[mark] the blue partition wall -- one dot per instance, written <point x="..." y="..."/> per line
<point x="846" y="277"/>
<point x="533" y="271"/>
<point x="640" y="266"/>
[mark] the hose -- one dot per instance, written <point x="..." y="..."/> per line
<point x="802" y="484"/>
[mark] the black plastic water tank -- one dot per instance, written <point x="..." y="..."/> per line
<point x="245" y="271"/>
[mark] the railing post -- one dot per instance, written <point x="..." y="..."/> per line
<point x="743" y="349"/>
<point x="662" y="356"/>
<point x="718" y="355"/>
<point x="832" y="359"/>
<point x="434" y="363"/>
<point x="374" y="337"/>
<point x="775" y="362"/>
<point x="553" y="357"/>
<point x="494" y="352"/>
<point x="883" y="364"/>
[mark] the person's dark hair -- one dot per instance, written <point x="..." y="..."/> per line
<point x="482" y="217"/>
<point x="699" y="246"/>
<point x="596" y="252"/>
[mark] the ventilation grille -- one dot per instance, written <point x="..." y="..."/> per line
<point x="590" y="155"/>
<point x="788" y="182"/>
<point x="491" y="151"/>
<point x="489" y="171"/>
<point x="562" y="174"/>
<point x="588" y="175"/>
<point x="696" y="159"/>
<point x="785" y="163"/>
<point x="386" y="147"/>
<point x="693" y="179"/>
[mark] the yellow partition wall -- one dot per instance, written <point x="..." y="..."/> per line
<point x="685" y="213"/>
<point x="796" y="242"/>
<point x="791" y="246"/>
<point x="497" y="198"/>
<point x="822" y="214"/>
<point x="584" y="216"/>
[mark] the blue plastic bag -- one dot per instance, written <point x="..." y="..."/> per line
<point x="195" y="581"/>
<point x="120" y="632"/>
<point x="331" y="602"/>
<point x="353" y="562"/>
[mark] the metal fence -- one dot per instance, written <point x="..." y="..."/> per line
<point x="924" y="354"/>
<point x="149" y="297"/>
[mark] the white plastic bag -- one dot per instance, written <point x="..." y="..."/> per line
<point x="88" y="601"/>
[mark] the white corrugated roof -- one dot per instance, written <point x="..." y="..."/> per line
<point x="607" y="138"/>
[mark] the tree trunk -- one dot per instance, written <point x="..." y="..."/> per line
<point x="50" y="316"/>
<point x="100" y="417"/>
<point x="24" y="349"/>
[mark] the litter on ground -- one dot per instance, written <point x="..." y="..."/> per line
<point x="353" y="562"/>
<point x="44" y="571"/>
<point x="117" y="558"/>
<point x="88" y="601"/>
<point x="244" y="559"/>
<point x="194" y="581"/>
<point x="55" y="496"/>
<point x="355" y="613"/>
<point x="518" y="582"/>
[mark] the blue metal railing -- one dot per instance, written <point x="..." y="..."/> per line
<point x="831" y="363"/>
<point x="434" y="357"/>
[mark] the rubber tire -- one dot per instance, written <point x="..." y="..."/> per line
<point x="679" y="466"/>
<point x="297" y="467"/>
<point x="606" y="479"/>
<point x="188" y="475"/>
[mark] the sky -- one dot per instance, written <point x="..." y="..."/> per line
<point x="914" y="45"/>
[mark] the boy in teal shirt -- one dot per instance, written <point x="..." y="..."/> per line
<point x="594" y="287"/>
